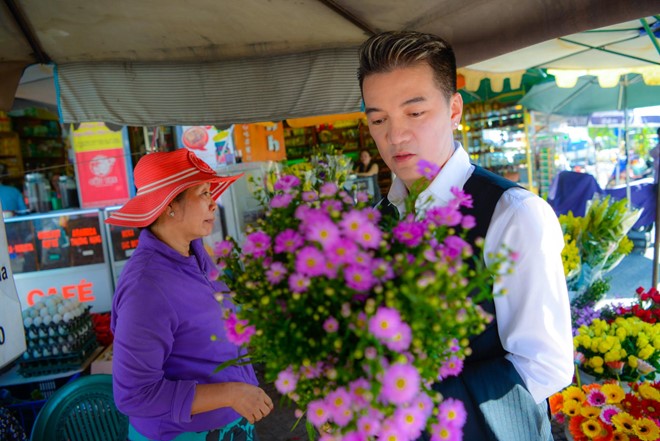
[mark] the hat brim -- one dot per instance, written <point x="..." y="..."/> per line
<point x="143" y="210"/>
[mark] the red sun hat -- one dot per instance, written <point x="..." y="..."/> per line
<point x="159" y="178"/>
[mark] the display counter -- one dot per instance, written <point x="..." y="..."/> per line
<point x="63" y="253"/>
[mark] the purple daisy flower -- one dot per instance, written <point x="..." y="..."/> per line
<point x="288" y="241"/>
<point x="385" y="323"/>
<point x="461" y="198"/>
<point x="309" y="196"/>
<point x="328" y="189"/>
<point x="372" y="214"/>
<point x="351" y="223"/>
<point x="400" y="384"/>
<point x="358" y="277"/>
<point x="317" y="413"/>
<point x="362" y="196"/>
<point x="238" y="331"/>
<point x="390" y="432"/>
<point x="451" y="368"/>
<point x="401" y="339"/>
<point x="428" y="169"/>
<point x="368" y="235"/>
<point x="409" y="233"/>
<point x="330" y="325"/>
<point x="331" y="205"/>
<point x="360" y="392"/>
<point x="310" y="261"/>
<point x="286" y="381"/>
<point x="286" y="183"/>
<point x="342" y="251"/>
<point x="326" y="233"/>
<point x="410" y="421"/>
<point x="468" y="222"/>
<point x="369" y="425"/>
<point x="256" y="244"/>
<point x="281" y="200"/>
<point x="452" y="412"/>
<point x="298" y="283"/>
<point x="449" y="216"/>
<point x="276" y="273"/>
<point x="223" y="249"/>
<point x="445" y="432"/>
<point x="424" y="404"/>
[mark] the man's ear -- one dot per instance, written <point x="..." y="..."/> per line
<point x="456" y="108"/>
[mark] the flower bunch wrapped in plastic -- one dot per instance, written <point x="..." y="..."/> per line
<point x="626" y="349"/>
<point x="600" y="238"/>
<point x="354" y="321"/>
<point x="607" y="412"/>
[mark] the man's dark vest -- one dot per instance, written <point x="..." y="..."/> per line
<point x="499" y="406"/>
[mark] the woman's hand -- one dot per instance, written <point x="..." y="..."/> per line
<point x="246" y="399"/>
<point x="251" y="402"/>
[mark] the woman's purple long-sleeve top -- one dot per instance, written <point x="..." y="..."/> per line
<point x="169" y="336"/>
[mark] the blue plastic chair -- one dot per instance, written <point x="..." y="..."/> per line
<point x="83" y="410"/>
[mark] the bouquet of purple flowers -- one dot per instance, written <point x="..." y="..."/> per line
<point x="354" y="320"/>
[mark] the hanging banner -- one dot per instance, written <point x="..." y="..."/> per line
<point x="200" y="141"/>
<point x="12" y="334"/>
<point x="102" y="161"/>
<point x="260" y="142"/>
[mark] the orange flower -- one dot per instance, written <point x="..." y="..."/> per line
<point x="556" y="403"/>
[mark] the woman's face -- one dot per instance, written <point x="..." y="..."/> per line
<point x="365" y="157"/>
<point x="194" y="213"/>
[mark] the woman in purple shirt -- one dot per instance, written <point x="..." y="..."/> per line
<point x="167" y="319"/>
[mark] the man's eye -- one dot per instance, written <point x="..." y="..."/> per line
<point x="416" y="114"/>
<point x="377" y="122"/>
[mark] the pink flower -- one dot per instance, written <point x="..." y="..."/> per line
<point x="223" y="249"/>
<point x="373" y="215"/>
<point x="288" y="241"/>
<point x="328" y="189"/>
<point x="451" y="368"/>
<point x="400" y="384"/>
<point x="281" y="200"/>
<point x="427" y="169"/>
<point x="385" y="323"/>
<point x="424" y="404"/>
<point x="368" y="235"/>
<point x="468" y="222"/>
<point x="410" y="421"/>
<point x="309" y="196"/>
<point x="351" y="223"/>
<point x="326" y="233"/>
<point x="343" y="251"/>
<point x="256" y="244"/>
<point x="286" y="381"/>
<point x="369" y="424"/>
<point x="286" y="183"/>
<point x="298" y="283"/>
<point x="596" y="398"/>
<point x="607" y="412"/>
<point x="391" y="433"/>
<point x="317" y="413"/>
<point x="276" y="273"/>
<point x="445" y="432"/>
<point x="330" y="325"/>
<point x="360" y="392"/>
<point x="451" y="412"/>
<point x="238" y="332"/>
<point x="401" y="339"/>
<point x="441" y="216"/>
<point x="310" y="261"/>
<point x="461" y="198"/>
<point x="358" y="277"/>
<point x="409" y="233"/>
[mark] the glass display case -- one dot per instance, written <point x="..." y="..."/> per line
<point x="60" y="253"/>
